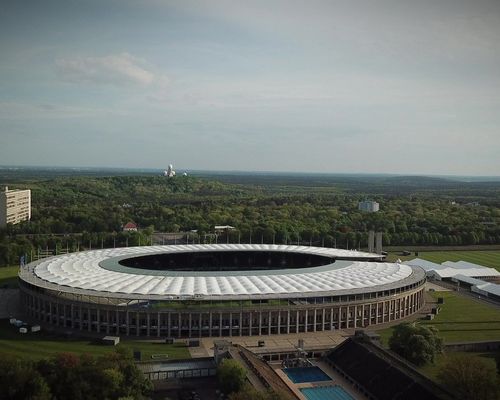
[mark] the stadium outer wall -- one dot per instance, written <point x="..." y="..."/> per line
<point x="134" y="315"/>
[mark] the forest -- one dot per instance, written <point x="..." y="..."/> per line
<point x="78" y="212"/>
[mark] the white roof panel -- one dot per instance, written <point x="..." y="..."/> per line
<point x="84" y="271"/>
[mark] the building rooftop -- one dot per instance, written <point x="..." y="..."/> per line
<point x="450" y="269"/>
<point x="100" y="271"/>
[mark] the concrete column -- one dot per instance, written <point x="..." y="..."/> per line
<point x="383" y="311"/>
<point x="279" y="322"/>
<point x="376" y="312"/>
<point x="347" y="319"/>
<point x="98" y="327"/>
<point x="297" y="323"/>
<point x="158" y="324"/>
<point x="118" y="322"/>
<point x="200" y="322"/>
<point x="288" y="321"/>
<point x="137" y="324"/>
<point x="355" y="316"/>
<point x="179" y="326"/>
<point x="107" y="319"/>
<point x="241" y="323"/>
<point x="190" y="324"/>
<point x="260" y="322"/>
<point x="72" y="311"/>
<point x="269" y="319"/>
<point x="323" y="320"/>
<point x="148" y="322"/>
<point x="340" y="317"/>
<point x="210" y="324"/>
<point x="331" y="319"/>
<point x="305" y="320"/>
<point x="250" y="323"/>
<point x="169" y="322"/>
<point x="220" y="324"/>
<point x="127" y="322"/>
<point x="230" y="324"/>
<point x="315" y="316"/>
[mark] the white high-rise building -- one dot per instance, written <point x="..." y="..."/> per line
<point x="368" y="206"/>
<point x="15" y="206"/>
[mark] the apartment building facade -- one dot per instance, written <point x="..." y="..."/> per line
<point x="15" y="206"/>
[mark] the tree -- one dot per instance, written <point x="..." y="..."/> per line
<point x="231" y="376"/>
<point x="19" y="380"/>
<point x="417" y="343"/>
<point x="470" y="378"/>
<point x="85" y="377"/>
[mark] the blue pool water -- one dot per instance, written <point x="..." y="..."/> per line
<point x="326" y="393"/>
<point x="306" y="374"/>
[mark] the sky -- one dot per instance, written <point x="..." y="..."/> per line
<point x="405" y="87"/>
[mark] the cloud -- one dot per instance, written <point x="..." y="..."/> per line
<point x="114" y="69"/>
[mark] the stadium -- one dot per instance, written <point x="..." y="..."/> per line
<point x="192" y="291"/>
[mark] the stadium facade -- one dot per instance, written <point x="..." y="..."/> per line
<point x="218" y="290"/>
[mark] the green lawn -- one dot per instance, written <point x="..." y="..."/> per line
<point x="490" y="258"/>
<point x="464" y="319"/>
<point x="8" y="277"/>
<point x="461" y="319"/>
<point x="485" y="258"/>
<point x="42" y="345"/>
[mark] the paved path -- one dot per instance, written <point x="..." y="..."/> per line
<point x="273" y="343"/>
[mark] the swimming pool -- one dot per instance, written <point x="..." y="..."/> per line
<point x="326" y="393"/>
<point x="306" y="374"/>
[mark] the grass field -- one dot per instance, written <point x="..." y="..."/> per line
<point x="464" y="319"/>
<point x="489" y="258"/>
<point x="461" y="319"/>
<point x="42" y="345"/>
<point x="8" y="277"/>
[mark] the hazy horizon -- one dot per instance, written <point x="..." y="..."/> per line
<point x="160" y="170"/>
<point x="393" y="87"/>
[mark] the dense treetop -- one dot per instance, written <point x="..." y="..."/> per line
<point x="282" y="209"/>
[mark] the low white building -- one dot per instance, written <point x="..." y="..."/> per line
<point x="368" y="206"/>
<point x="450" y="269"/>
<point x="483" y="288"/>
